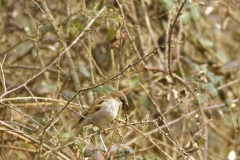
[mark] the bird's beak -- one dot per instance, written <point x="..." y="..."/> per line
<point x="126" y="105"/>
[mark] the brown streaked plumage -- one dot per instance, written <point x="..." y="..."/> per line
<point x="103" y="111"/>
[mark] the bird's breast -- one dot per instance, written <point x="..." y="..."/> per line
<point x="111" y="106"/>
<point x="107" y="113"/>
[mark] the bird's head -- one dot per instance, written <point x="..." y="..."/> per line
<point x="122" y="97"/>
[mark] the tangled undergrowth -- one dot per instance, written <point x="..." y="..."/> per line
<point x="176" y="61"/>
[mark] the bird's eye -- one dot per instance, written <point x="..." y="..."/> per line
<point x="121" y="99"/>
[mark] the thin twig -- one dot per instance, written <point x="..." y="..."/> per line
<point x="55" y="60"/>
<point x="3" y="77"/>
<point x="151" y="32"/>
<point x="204" y="120"/>
<point x="21" y="134"/>
<point x="91" y="87"/>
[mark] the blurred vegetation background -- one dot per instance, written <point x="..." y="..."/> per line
<point x="181" y="76"/>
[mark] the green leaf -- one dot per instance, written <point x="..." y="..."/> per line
<point x="202" y="86"/>
<point x="212" y="90"/>
<point x="97" y="89"/>
<point x="84" y="72"/>
<point x="95" y="129"/>
<point x="134" y="82"/>
<point x="202" y="98"/>
<point x="214" y="78"/>
<point x="227" y="122"/>
<point x="186" y="18"/>
<point x="96" y="24"/>
<point x="195" y="14"/>
<point x="108" y="89"/>
<point x="64" y="135"/>
<point x="110" y="34"/>
<point x="201" y="142"/>
<point x="228" y="102"/>
<point x="206" y="43"/>
<point x="27" y="145"/>
<point x="144" y="100"/>
<point x="75" y="28"/>
<point x="167" y="4"/>
<point x="80" y="146"/>
<point x="45" y="29"/>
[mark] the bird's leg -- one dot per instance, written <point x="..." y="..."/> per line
<point x="101" y="139"/>
<point x="105" y="129"/>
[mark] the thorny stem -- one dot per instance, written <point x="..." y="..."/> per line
<point x="183" y="81"/>
<point x="88" y="88"/>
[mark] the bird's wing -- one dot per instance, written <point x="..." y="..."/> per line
<point x="94" y="108"/>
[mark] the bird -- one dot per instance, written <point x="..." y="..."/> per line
<point x="103" y="111"/>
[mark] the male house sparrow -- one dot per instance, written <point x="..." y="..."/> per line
<point x="103" y="111"/>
